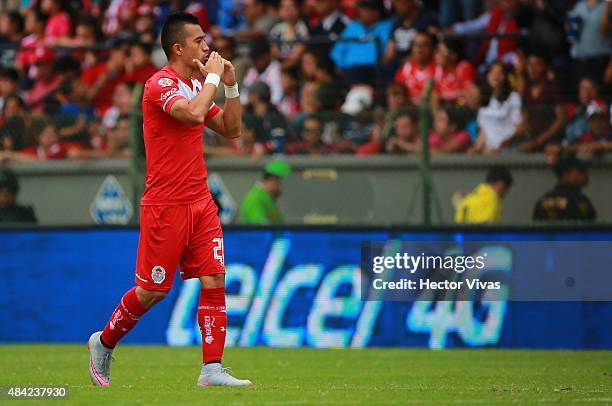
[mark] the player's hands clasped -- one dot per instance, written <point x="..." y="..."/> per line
<point x="229" y="74"/>
<point x="213" y="65"/>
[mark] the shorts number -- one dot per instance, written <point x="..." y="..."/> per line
<point x="218" y="250"/>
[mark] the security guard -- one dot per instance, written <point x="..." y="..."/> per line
<point x="10" y="211"/>
<point x="566" y="201"/>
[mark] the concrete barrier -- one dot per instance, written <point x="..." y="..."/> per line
<point x="380" y="190"/>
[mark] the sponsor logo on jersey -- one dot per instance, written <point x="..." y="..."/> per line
<point x="165" y="82"/>
<point x="168" y="93"/>
<point x="158" y="274"/>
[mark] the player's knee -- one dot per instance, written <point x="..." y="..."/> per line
<point x="149" y="297"/>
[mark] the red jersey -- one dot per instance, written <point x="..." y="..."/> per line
<point x="104" y="98"/>
<point x="176" y="172"/>
<point x="414" y="78"/>
<point x="56" y="151"/>
<point x="452" y="84"/>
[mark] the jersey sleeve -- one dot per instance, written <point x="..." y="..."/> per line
<point x="164" y="92"/>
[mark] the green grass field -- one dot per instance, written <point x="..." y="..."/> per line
<point x="152" y="375"/>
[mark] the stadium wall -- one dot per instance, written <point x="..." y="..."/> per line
<point x="286" y="288"/>
<point x="321" y="190"/>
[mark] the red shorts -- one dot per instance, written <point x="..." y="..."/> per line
<point x="187" y="235"/>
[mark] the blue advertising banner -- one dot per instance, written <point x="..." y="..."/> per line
<point x="286" y="288"/>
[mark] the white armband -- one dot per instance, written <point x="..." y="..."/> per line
<point x="231" y="92"/>
<point x="213" y="79"/>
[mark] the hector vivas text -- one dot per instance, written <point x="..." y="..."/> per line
<point x="412" y="264"/>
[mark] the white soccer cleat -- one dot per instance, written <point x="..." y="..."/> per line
<point x="99" y="360"/>
<point x="216" y="375"/>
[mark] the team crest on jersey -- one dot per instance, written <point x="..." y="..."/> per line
<point x="165" y="82"/>
<point x="158" y="274"/>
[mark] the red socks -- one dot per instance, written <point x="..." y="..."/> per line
<point x="213" y="323"/>
<point x="124" y="318"/>
<point x="211" y="318"/>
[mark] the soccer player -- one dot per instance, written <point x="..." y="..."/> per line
<point x="178" y="223"/>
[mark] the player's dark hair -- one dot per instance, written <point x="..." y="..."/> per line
<point x="172" y="31"/>
<point x="499" y="173"/>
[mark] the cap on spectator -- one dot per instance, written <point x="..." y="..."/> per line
<point x="8" y="180"/>
<point x="358" y="99"/>
<point x="261" y="90"/>
<point x="43" y="55"/>
<point x="278" y="168"/>
<point x="596" y="107"/>
<point x="567" y="163"/>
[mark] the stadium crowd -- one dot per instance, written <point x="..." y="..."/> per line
<point x="319" y="76"/>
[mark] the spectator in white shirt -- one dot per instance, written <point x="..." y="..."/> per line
<point x="500" y="114"/>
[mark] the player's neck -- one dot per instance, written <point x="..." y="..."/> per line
<point x="183" y="70"/>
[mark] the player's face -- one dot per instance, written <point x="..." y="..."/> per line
<point x="195" y="47"/>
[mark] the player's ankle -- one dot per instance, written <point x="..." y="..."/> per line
<point x="108" y="347"/>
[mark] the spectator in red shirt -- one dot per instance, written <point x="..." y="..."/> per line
<point x="59" y="25"/>
<point x="498" y="19"/>
<point x="35" y="29"/>
<point x="453" y="76"/>
<point x="48" y="147"/>
<point x="103" y="77"/>
<point x="139" y="67"/>
<point x="448" y="136"/>
<point x="46" y="80"/>
<point x="417" y="71"/>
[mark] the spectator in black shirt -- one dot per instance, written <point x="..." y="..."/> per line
<point x="566" y="201"/>
<point x="409" y="20"/>
<point x="271" y="127"/>
<point x="331" y="19"/>
<point x="10" y="211"/>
